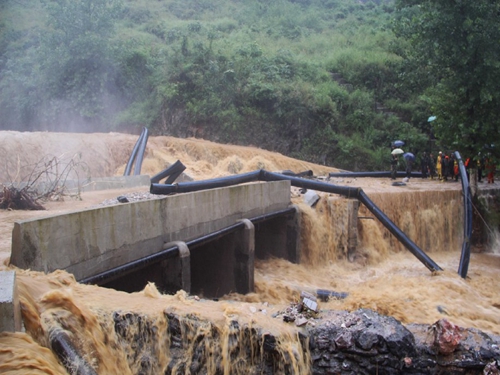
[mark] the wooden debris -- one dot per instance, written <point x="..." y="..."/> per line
<point x="18" y="199"/>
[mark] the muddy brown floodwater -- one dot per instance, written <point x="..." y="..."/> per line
<point x="384" y="276"/>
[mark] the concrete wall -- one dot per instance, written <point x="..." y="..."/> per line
<point x="88" y="242"/>
<point x="10" y="313"/>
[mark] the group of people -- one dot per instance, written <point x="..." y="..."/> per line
<point x="445" y="167"/>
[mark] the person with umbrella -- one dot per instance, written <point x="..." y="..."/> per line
<point x="394" y="161"/>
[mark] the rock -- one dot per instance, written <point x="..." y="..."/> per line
<point x="447" y="336"/>
<point x="309" y="300"/>
<point x="301" y="321"/>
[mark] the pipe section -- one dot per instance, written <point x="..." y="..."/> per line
<point x="398" y="233"/>
<point x="379" y="174"/>
<point x="463" y="267"/>
<point x="133" y="155"/>
<point x="140" y="152"/>
<point x="68" y="355"/>
<point x="130" y="267"/>
<point x="262" y="175"/>
<point x="185" y="187"/>
<point x="173" y="171"/>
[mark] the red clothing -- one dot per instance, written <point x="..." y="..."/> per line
<point x="490" y="168"/>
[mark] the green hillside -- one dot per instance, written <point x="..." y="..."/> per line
<point x="318" y="80"/>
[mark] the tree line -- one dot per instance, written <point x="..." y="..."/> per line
<point x="329" y="81"/>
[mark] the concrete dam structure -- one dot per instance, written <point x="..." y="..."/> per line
<point x="203" y="242"/>
<point x="206" y="242"/>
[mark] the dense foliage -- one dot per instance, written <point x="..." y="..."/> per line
<point x="456" y="44"/>
<point x="319" y="80"/>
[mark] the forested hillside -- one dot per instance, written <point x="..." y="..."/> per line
<point x="319" y="80"/>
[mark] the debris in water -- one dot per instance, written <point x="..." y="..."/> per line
<point x="311" y="198"/>
<point x="325" y="295"/>
<point x="306" y="309"/>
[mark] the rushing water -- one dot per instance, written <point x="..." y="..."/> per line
<point x="384" y="276"/>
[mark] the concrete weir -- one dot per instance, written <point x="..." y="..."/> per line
<point x="92" y="242"/>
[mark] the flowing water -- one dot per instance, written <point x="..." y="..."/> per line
<point x="122" y="333"/>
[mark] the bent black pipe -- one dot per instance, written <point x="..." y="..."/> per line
<point x="133" y="155"/>
<point x="68" y="355"/>
<point x="140" y="152"/>
<point x="463" y="267"/>
<point x="173" y="171"/>
<point x="308" y="173"/>
<point x="349" y="192"/>
<point x="185" y="187"/>
<point x="398" y="233"/>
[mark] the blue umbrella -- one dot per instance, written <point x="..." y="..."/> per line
<point x="398" y="143"/>
<point x="432" y="118"/>
<point x="409" y="156"/>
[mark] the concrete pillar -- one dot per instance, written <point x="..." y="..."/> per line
<point x="244" y="254"/>
<point x="178" y="272"/>
<point x="352" y="228"/>
<point x="473" y="184"/>
<point x="10" y="313"/>
<point x="293" y="236"/>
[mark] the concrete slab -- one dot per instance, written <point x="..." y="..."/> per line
<point x="10" y="313"/>
<point x="92" y="241"/>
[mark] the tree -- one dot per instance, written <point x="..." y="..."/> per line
<point x="456" y="44"/>
<point x="61" y="76"/>
<point x="79" y="68"/>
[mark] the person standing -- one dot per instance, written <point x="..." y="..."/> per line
<point x="454" y="167"/>
<point x="445" y="169"/>
<point x="480" y="166"/>
<point x="439" y="166"/>
<point x="490" y="167"/>
<point x="432" y="166"/>
<point x="424" y="164"/>
<point x="394" y="166"/>
<point x="409" y="165"/>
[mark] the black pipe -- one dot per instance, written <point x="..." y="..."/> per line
<point x="409" y="244"/>
<point x="174" y="170"/>
<point x="184" y="187"/>
<point x="140" y="152"/>
<point x="349" y="192"/>
<point x="68" y="355"/>
<point x="465" y="254"/>
<point x="308" y="173"/>
<point x="171" y="252"/>
<point x="273" y="215"/>
<point x="133" y="266"/>
<point x="379" y="174"/>
<point x="133" y="154"/>
<point x="214" y="235"/>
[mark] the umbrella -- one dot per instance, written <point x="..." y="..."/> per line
<point x="397" y="151"/>
<point x="432" y="118"/>
<point x="398" y="143"/>
<point x="409" y="156"/>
